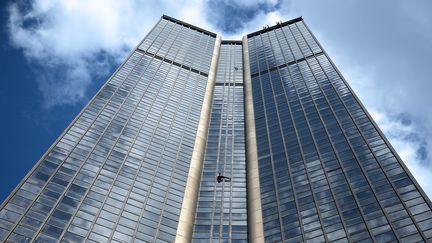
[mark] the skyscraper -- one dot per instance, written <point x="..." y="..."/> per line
<point x="195" y="138"/>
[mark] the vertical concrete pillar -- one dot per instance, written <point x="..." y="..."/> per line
<point x="255" y="219"/>
<point x="187" y="213"/>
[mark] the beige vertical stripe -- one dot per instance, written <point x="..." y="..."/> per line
<point x="255" y="219"/>
<point x="187" y="213"/>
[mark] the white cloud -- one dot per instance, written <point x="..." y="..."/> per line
<point x="82" y="39"/>
<point x="248" y="3"/>
<point x="401" y="137"/>
<point x="408" y="134"/>
<point x="255" y="24"/>
<point x="72" y="43"/>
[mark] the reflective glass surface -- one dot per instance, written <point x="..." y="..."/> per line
<point x="221" y="214"/>
<point x="119" y="171"/>
<point x="326" y="173"/>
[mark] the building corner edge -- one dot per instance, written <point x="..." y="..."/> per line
<point x="255" y="219"/>
<point x="188" y="208"/>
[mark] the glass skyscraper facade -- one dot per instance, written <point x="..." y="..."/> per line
<point x="326" y="172"/>
<point x="199" y="139"/>
<point x="222" y="209"/>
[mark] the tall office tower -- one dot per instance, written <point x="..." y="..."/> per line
<point x="194" y="138"/>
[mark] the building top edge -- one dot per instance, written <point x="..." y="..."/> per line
<point x="278" y="25"/>
<point x="188" y="25"/>
<point x="232" y="42"/>
<point x="264" y="30"/>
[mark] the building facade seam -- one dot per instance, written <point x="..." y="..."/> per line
<point x="188" y="209"/>
<point x="255" y="218"/>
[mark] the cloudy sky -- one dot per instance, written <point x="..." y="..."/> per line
<point x="55" y="54"/>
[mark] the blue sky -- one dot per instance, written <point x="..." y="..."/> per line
<point x="54" y="56"/>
